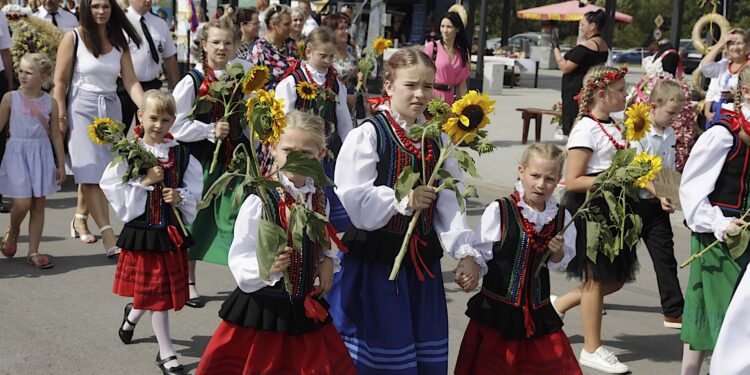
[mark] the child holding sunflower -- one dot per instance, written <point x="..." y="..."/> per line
<point x="313" y="86"/>
<point x="153" y="267"/>
<point x="201" y="133"/>
<point x="713" y="194"/>
<point x="657" y="137"/>
<point x="401" y="326"/>
<point x="514" y="329"/>
<point x="265" y="328"/>
<point x="592" y="143"/>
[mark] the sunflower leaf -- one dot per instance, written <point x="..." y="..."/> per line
<point x="470" y="191"/>
<point x="216" y="189"/>
<point x="460" y="199"/>
<point x="405" y="183"/>
<point x="298" y="163"/>
<point x="737" y="243"/>
<point x="466" y="162"/>
<point x="271" y="243"/>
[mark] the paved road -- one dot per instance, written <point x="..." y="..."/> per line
<point x="64" y="320"/>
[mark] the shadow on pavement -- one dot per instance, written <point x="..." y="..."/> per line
<point x="194" y="349"/>
<point x="648" y="309"/>
<point x="19" y="267"/>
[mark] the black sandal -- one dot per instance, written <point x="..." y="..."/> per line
<point x="177" y="370"/>
<point x="196" y="302"/>
<point x="126" y="336"/>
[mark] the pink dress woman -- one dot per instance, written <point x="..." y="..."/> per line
<point x="449" y="74"/>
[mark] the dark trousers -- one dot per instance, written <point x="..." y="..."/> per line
<point x="658" y="237"/>
<point x="128" y="107"/>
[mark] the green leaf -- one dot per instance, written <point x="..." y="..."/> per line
<point x="461" y="201"/>
<point x="297" y="223"/>
<point x="737" y="244"/>
<point x="298" y="163"/>
<point x="202" y="105"/>
<point x="623" y="157"/>
<point x="405" y="182"/>
<point x="470" y="191"/>
<point x="269" y="184"/>
<point x="593" y="229"/>
<point x="271" y="243"/>
<point x="612" y="202"/>
<point x="633" y="235"/>
<point x="443" y="174"/>
<point x="216" y="189"/>
<point x="466" y="162"/>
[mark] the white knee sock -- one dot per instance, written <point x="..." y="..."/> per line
<point x="160" y="322"/>
<point x="691" y="361"/>
<point x="134" y="316"/>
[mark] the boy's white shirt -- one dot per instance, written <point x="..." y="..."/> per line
<point x="659" y="144"/>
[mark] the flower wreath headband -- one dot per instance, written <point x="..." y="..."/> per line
<point x="604" y="78"/>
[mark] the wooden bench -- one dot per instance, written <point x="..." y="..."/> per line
<point x="534" y="113"/>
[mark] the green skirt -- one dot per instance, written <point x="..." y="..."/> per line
<point x="710" y="288"/>
<point x="213" y="228"/>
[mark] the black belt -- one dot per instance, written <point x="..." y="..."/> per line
<point x="440" y="87"/>
<point x="155" y="83"/>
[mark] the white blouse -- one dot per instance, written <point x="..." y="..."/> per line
<point x="243" y="259"/>
<point x="184" y="129"/>
<point x="721" y="79"/>
<point x="94" y="74"/>
<point x="490" y="226"/>
<point x="370" y="207"/>
<point x="128" y="199"/>
<point x="587" y="134"/>
<point x="699" y="179"/>
<point x="287" y="90"/>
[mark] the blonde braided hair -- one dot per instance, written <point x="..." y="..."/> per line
<point x="743" y="79"/>
<point x="597" y="78"/>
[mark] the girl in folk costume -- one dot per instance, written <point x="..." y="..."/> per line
<point x="593" y="141"/>
<point x="152" y="268"/>
<point x="514" y="329"/>
<point x="29" y="172"/>
<point x="265" y="328"/>
<point x="200" y="134"/>
<point x="713" y="194"/>
<point x="723" y="73"/>
<point x="398" y="327"/>
<point x="304" y="83"/>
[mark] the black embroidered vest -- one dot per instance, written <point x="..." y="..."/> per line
<point x="510" y="287"/>
<point x="731" y="188"/>
<point x="333" y="140"/>
<point x="384" y="243"/>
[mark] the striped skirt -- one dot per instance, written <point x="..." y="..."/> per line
<point x="157" y="281"/>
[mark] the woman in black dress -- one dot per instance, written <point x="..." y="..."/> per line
<point x="574" y="65"/>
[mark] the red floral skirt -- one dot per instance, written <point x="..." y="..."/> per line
<point x="484" y="351"/>
<point x="157" y="281"/>
<point x="237" y="350"/>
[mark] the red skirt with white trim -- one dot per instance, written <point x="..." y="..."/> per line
<point x="484" y="351"/>
<point x="237" y="350"/>
<point x="157" y="281"/>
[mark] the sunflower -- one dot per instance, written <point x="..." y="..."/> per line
<point x="380" y="44"/>
<point x="306" y="90"/>
<point x="470" y="115"/>
<point x="268" y="133"/>
<point x="638" y="122"/>
<point x="104" y="131"/>
<point x="255" y="79"/>
<point x="648" y="166"/>
<point x="301" y="49"/>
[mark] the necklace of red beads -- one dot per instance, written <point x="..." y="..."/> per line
<point x="618" y="145"/>
<point x="329" y="78"/>
<point x="538" y="241"/>
<point x="407" y="142"/>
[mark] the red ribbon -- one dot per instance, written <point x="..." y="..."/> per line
<point x="207" y="81"/>
<point x="332" y="234"/>
<point x="416" y="259"/>
<point x="313" y="309"/>
<point x="528" y="321"/>
<point x="736" y="121"/>
<point x="175" y="236"/>
<point x="377" y="102"/>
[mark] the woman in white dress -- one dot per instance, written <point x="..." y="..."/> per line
<point x="100" y="53"/>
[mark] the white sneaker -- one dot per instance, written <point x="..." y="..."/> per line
<point x="602" y="360"/>
<point x="552" y="299"/>
<point x="559" y="135"/>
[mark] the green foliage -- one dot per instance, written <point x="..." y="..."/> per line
<point x="271" y="243"/>
<point x="737" y="243"/>
<point x="298" y="163"/>
<point x="405" y="182"/>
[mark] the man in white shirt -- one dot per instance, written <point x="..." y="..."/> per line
<point x="310" y="23"/>
<point x="52" y="12"/>
<point x="262" y="6"/>
<point x="157" y="49"/>
<point x="6" y="84"/>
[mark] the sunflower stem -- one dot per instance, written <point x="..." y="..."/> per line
<point x="713" y="244"/>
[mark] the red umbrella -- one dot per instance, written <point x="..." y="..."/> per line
<point x="565" y="11"/>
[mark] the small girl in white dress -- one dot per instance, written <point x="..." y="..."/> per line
<point x="29" y="171"/>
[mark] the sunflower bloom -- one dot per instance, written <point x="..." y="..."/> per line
<point x="470" y="115"/>
<point x="104" y="131"/>
<point x="649" y="165"/>
<point x="255" y="79"/>
<point x="268" y="133"/>
<point x="638" y="121"/>
<point x="306" y="90"/>
<point x="380" y="44"/>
